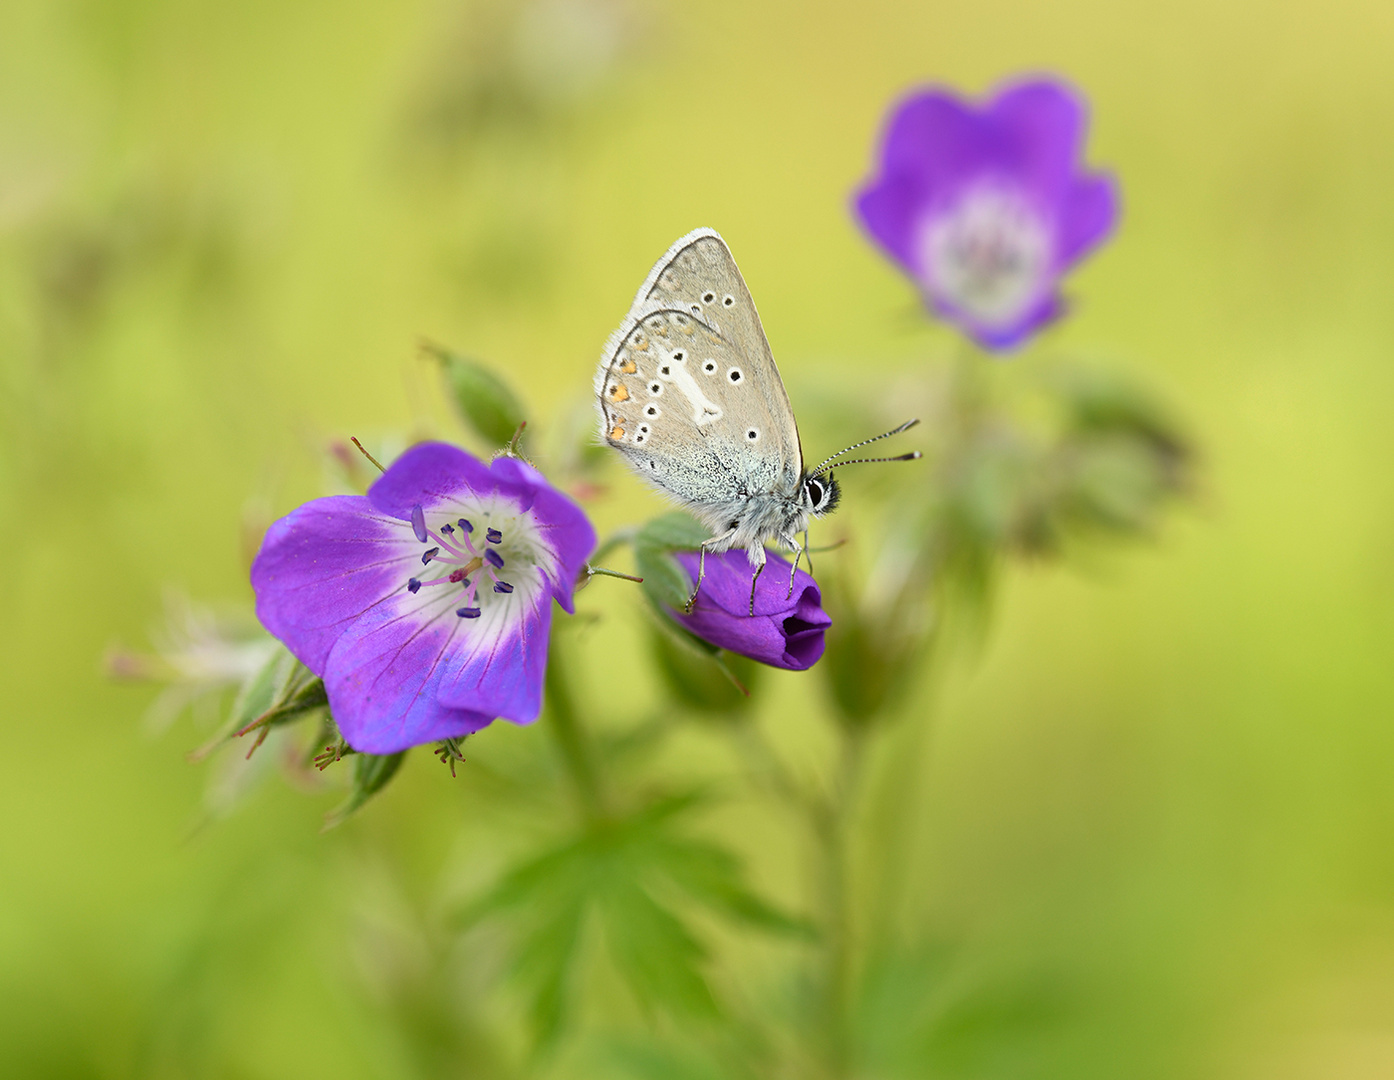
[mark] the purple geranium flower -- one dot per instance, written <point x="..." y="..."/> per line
<point x="786" y="630"/>
<point x="425" y="606"/>
<point x="987" y="207"/>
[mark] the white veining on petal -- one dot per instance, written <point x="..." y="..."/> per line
<point x="988" y="254"/>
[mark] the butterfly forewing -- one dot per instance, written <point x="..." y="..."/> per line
<point x="688" y="388"/>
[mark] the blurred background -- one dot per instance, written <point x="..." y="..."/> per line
<point x="1148" y="820"/>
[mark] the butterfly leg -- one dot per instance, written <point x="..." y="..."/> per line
<point x="706" y="545"/>
<point x="799" y="550"/>
<point x="759" y="569"/>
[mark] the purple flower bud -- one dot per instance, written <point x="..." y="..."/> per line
<point x="785" y="631"/>
<point x="986" y="205"/>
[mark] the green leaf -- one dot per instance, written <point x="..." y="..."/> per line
<point x="484" y="400"/>
<point x="371" y="773"/>
<point x="545" y="960"/>
<point x="712" y="876"/>
<point x="654" y="951"/>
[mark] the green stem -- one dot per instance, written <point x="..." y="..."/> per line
<point x="570" y="734"/>
<point x="832" y="824"/>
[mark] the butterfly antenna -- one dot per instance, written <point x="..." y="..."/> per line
<point x="913" y="455"/>
<point x="875" y="438"/>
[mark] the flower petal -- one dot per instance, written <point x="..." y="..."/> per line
<point x="386" y="675"/>
<point x="433" y="473"/>
<point x="323" y="566"/>
<point x="1039" y="128"/>
<point x="1008" y="337"/>
<point x="1089" y="214"/>
<point x="890" y="210"/>
<point x="561" y="522"/>
<point x="937" y="140"/>
<point x="786" y="630"/>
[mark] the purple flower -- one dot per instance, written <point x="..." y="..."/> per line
<point x="785" y="631"/>
<point x="987" y="207"/>
<point x="425" y="606"/>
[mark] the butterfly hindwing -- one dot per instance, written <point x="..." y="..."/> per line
<point x="688" y="389"/>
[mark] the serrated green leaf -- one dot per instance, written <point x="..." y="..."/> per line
<point x="545" y="960"/>
<point x="654" y="951"/>
<point x="712" y="876"/>
<point x="484" y="400"/>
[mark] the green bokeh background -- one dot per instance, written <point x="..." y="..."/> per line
<point x="1160" y="793"/>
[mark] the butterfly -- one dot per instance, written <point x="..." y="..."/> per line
<point x="688" y="392"/>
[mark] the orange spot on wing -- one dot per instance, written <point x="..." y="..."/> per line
<point x="617" y="432"/>
<point x="619" y="393"/>
<point x="629" y="367"/>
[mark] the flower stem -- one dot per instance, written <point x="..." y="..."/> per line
<point x="832" y="825"/>
<point x="570" y="734"/>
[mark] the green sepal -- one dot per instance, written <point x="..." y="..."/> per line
<point x="665" y="581"/>
<point x="371" y="773"/>
<point x="485" y="402"/>
<point x="700" y="675"/>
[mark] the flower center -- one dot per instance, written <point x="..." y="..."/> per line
<point x="987" y="254"/>
<point x="477" y="559"/>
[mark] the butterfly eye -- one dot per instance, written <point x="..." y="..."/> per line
<point x="709" y="366"/>
<point x="734" y="374"/>
<point x="707" y="298"/>
<point x="815" y="493"/>
<point x="728" y="300"/>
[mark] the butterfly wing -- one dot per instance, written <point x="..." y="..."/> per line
<point x="688" y="390"/>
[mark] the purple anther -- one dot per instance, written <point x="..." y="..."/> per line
<point x="465" y="525"/>
<point x="494" y="558"/>
<point x="427" y="556"/>
<point x="413" y="585"/>
<point x="467" y="612"/>
<point x="502" y="586"/>
<point x="494" y="536"/>
<point x="447" y="529"/>
<point x="418" y="522"/>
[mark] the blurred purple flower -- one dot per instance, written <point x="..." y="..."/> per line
<point x="785" y="631"/>
<point x="986" y="207"/>
<point x="425" y="606"/>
